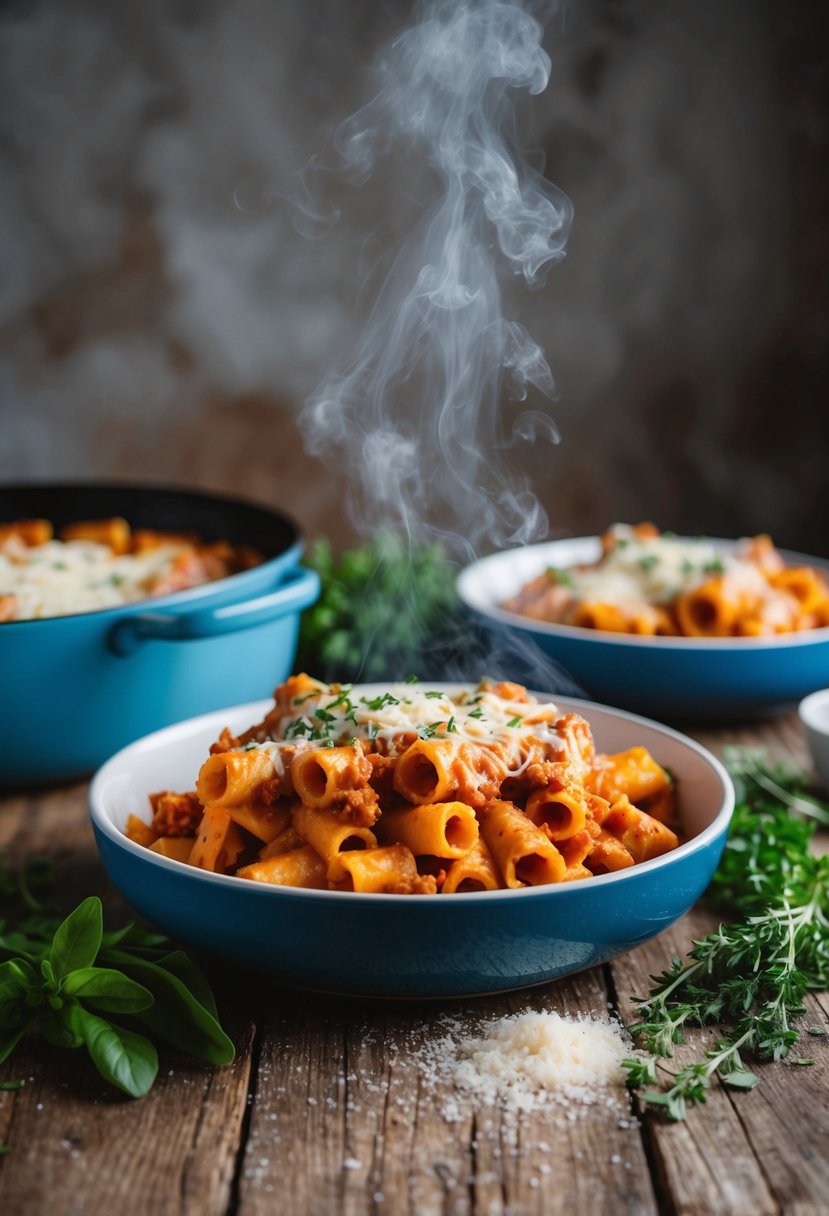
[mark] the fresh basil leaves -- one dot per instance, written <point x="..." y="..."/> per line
<point x="69" y="979"/>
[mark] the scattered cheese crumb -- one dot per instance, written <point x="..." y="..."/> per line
<point x="528" y="1060"/>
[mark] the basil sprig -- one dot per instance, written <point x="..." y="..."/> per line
<point x="65" y="981"/>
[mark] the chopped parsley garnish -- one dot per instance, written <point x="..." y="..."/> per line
<point x="715" y="566"/>
<point x="562" y="577"/>
<point x="428" y="732"/>
<point x="649" y="561"/>
<point x="450" y="725"/>
<point x="433" y="694"/>
<point x="117" y="579"/>
<point x="477" y="712"/>
<point x="687" y="566"/>
<point x="513" y="722"/>
<point x="412" y="680"/>
<point x="378" y="703"/>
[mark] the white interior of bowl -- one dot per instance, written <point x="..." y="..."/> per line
<point x="171" y="758"/>
<point x="486" y="584"/>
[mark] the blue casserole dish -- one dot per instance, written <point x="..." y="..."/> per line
<point x="75" y="689"/>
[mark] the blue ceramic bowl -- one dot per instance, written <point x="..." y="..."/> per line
<point x="666" y="677"/>
<point x="409" y="946"/>
<point x="76" y="688"/>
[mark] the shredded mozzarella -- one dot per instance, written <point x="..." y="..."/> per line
<point x="652" y="570"/>
<point x="60" y="578"/>
<point x="339" y="715"/>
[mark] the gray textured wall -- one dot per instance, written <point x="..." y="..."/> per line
<point x="158" y="306"/>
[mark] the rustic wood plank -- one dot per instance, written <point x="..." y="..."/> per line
<point x="346" y="1121"/>
<point x="76" y="1144"/>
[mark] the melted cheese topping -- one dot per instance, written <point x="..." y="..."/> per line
<point x="652" y="570"/>
<point x="61" y="578"/>
<point x="338" y="716"/>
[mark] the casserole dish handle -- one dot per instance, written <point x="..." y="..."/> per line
<point x="297" y="591"/>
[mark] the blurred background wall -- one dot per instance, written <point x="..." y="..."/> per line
<point x="161" y="316"/>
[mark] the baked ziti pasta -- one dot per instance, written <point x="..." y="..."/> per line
<point x="414" y="791"/>
<point x="103" y="563"/>
<point x="658" y="584"/>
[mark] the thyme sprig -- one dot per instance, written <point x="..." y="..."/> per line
<point x="749" y="978"/>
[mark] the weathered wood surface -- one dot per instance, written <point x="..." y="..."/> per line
<point x="324" y="1110"/>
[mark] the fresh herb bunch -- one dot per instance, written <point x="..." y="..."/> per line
<point x="66" y="978"/>
<point x="749" y="978"/>
<point x="386" y="608"/>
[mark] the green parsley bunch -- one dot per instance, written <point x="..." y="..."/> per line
<point x="749" y="978"/>
<point x="386" y="608"/>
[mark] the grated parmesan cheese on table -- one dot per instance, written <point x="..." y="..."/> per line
<point x="525" y="1061"/>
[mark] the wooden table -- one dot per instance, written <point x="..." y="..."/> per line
<point x="322" y="1112"/>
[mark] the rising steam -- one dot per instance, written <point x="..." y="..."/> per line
<point x="417" y="415"/>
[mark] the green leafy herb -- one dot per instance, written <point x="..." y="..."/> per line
<point x="69" y="979"/>
<point x="451" y="726"/>
<point x="477" y="712"/>
<point x="750" y="977"/>
<point x="715" y="566"/>
<point x="386" y="609"/>
<point x="378" y="703"/>
<point x="649" y="561"/>
<point x="562" y="578"/>
<point x="513" y="722"/>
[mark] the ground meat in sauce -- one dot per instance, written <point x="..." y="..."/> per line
<point x="176" y="814"/>
<point x="360" y="807"/>
<point x="226" y="742"/>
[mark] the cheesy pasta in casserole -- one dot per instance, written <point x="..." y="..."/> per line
<point x="414" y="791"/>
<point x="103" y="564"/>
<point x="658" y="584"/>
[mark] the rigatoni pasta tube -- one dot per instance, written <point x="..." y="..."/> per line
<point x="285" y="842"/>
<point x="178" y="848"/>
<point x="643" y="836"/>
<point x="376" y="870"/>
<point x="634" y="772"/>
<point x="115" y="533"/>
<point x="219" y="842"/>
<point x="607" y="855"/>
<point x="329" y="835"/>
<point x="804" y="584"/>
<point x="320" y="774"/>
<point x="523" y="853"/>
<point x="299" y="868"/>
<point x="440" y="829"/>
<point x="233" y="778"/>
<point x="559" y="813"/>
<point x="264" y="822"/>
<point x="708" y="611"/>
<point x="475" y="871"/>
<point x="424" y="771"/>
